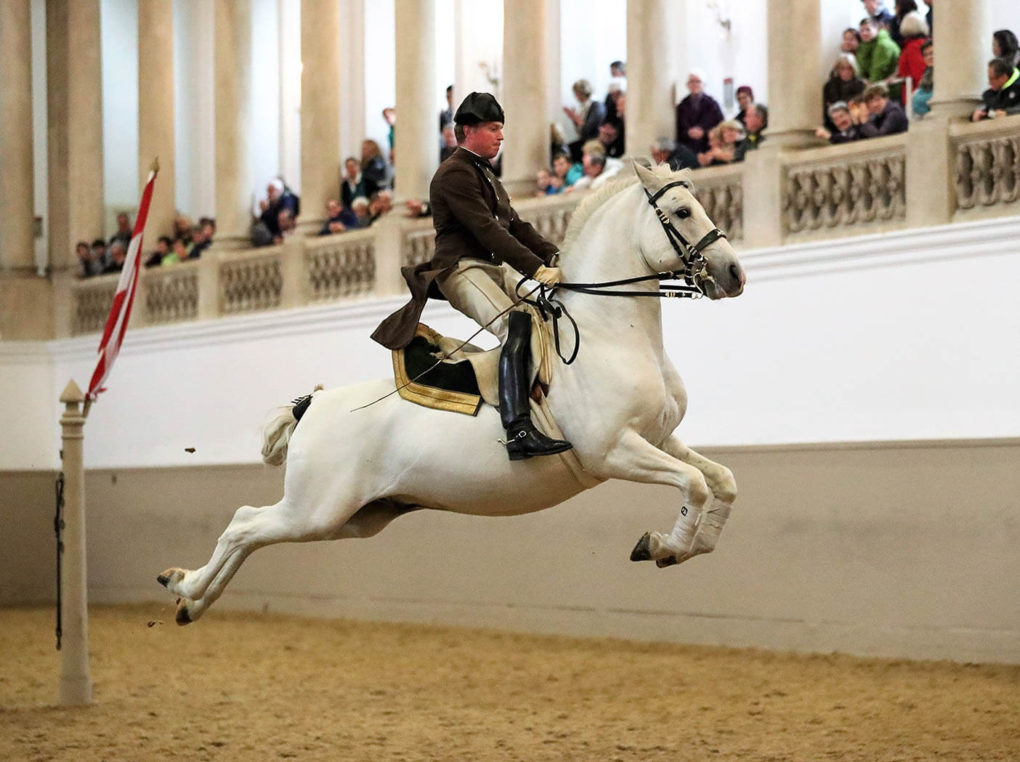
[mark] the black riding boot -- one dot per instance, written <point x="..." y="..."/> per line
<point x="523" y="440"/>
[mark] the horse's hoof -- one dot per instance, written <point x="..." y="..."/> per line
<point x="643" y="550"/>
<point x="662" y="563"/>
<point x="183" y="617"/>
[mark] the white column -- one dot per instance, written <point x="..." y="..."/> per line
<point x="525" y="91"/>
<point x="962" y="54"/>
<point x="795" y="100"/>
<point x="320" y="105"/>
<point x="232" y="89"/>
<point x="156" y="110"/>
<point x="649" y="113"/>
<point x="17" y="191"/>
<point x="75" y="119"/>
<point x="75" y="679"/>
<point x="417" y="130"/>
<point x="352" y="78"/>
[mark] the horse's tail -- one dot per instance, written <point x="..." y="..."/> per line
<point x="280" y="427"/>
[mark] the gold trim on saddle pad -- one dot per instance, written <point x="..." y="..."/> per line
<point x="431" y="396"/>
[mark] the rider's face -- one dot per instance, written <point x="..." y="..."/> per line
<point x="484" y="139"/>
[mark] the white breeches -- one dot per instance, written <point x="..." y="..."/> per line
<point x="481" y="291"/>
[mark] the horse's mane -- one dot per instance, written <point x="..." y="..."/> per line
<point x="592" y="202"/>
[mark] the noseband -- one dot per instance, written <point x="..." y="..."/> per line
<point x="693" y="272"/>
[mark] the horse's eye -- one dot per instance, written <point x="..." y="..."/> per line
<point x="683" y="212"/>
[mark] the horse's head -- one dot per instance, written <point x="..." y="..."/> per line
<point x="677" y="230"/>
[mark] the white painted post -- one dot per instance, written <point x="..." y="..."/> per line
<point x="75" y="681"/>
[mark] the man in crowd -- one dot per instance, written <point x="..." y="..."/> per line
<point x="846" y="131"/>
<point x="124" y="231"/>
<point x="611" y="137"/>
<point x="477" y="231"/>
<point x="118" y="253"/>
<point x="667" y="151"/>
<point x="1002" y="97"/>
<point x="887" y="116"/>
<point x="756" y="119"/>
<point x="696" y="115"/>
<point x="99" y="255"/>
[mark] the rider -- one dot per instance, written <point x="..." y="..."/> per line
<point x="476" y="232"/>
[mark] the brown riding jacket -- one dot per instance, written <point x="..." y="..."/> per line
<point x="472" y="216"/>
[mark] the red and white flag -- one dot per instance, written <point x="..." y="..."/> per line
<point x="116" y="323"/>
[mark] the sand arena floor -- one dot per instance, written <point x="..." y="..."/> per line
<point x="260" y="687"/>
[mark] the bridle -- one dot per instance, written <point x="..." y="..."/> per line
<point x="693" y="273"/>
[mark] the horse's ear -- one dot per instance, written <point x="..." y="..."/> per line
<point x="648" y="178"/>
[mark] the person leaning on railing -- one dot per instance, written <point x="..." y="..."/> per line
<point x="1002" y="98"/>
<point x="846" y="130"/>
<point x="887" y="116"/>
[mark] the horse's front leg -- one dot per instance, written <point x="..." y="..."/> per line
<point x="724" y="492"/>
<point x="635" y="459"/>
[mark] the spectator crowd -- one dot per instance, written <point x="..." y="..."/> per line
<point x="883" y="71"/>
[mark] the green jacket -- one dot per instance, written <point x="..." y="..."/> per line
<point x="878" y="58"/>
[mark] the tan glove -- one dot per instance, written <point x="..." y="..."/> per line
<point x="548" y="276"/>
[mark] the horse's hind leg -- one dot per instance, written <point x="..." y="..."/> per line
<point x="724" y="492"/>
<point x="250" y="529"/>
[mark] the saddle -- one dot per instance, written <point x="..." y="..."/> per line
<point x="466" y="376"/>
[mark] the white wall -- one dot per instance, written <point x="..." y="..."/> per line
<point x="119" y="35"/>
<point x="872" y="338"/>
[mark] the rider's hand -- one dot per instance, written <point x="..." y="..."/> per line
<point x="548" y="276"/>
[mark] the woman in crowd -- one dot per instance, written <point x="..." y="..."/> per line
<point x="903" y="7"/>
<point x="914" y="30"/>
<point x="1005" y="45"/>
<point x="844" y="83"/>
<point x="722" y="143"/>
<point x="587" y="117"/>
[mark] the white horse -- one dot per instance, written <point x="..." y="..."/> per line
<point x="350" y="472"/>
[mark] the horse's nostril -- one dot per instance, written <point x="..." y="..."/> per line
<point x="736" y="273"/>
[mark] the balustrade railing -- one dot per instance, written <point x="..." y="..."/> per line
<point x="858" y="189"/>
<point x="987" y="167"/>
<point x="813" y="193"/>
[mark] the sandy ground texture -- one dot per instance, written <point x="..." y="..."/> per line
<point x="261" y="687"/>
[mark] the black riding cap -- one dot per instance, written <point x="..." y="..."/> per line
<point x="477" y="108"/>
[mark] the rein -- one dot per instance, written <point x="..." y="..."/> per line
<point x="693" y="275"/>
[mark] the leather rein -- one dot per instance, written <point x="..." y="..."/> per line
<point x="693" y="275"/>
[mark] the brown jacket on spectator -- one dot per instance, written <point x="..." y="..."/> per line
<point x="472" y="216"/>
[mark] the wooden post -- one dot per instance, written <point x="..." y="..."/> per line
<point x="75" y="682"/>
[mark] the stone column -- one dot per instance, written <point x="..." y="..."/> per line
<point x="963" y="51"/>
<point x="235" y="191"/>
<point x="75" y="118"/>
<point x="416" y="146"/>
<point x="156" y="110"/>
<point x="16" y="167"/>
<point x="649" y="83"/>
<point x="320" y="106"/>
<point x="795" y="97"/>
<point x="352" y="73"/>
<point x="525" y="87"/>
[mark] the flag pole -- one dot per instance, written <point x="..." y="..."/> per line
<point x="75" y="680"/>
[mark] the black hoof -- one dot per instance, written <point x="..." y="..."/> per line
<point x="662" y="563"/>
<point x="643" y="550"/>
<point x="183" y="617"/>
<point x="163" y="579"/>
